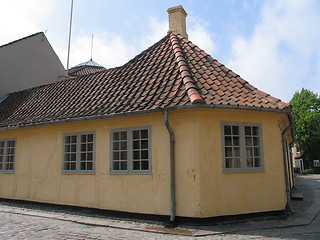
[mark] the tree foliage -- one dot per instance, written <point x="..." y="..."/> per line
<point x="306" y="110"/>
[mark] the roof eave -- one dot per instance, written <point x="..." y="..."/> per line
<point x="179" y="107"/>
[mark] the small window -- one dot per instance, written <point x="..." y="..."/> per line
<point x="131" y="150"/>
<point x="7" y="155"/>
<point x="242" y="147"/>
<point x="79" y="153"/>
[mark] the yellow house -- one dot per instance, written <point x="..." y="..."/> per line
<point x="172" y="132"/>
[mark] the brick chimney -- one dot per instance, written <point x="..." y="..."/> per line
<point x="177" y="20"/>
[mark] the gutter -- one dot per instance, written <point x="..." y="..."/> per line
<point x="172" y="171"/>
<point x="286" y="168"/>
<point x="193" y="106"/>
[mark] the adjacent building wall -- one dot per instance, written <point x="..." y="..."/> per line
<point x="27" y="63"/>
<point x="202" y="188"/>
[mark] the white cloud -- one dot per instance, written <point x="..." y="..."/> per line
<point x="279" y="58"/>
<point x="109" y="50"/>
<point x="158" y="29"/>
<point x="200" y="35"/>
<point x="20" y="18"/>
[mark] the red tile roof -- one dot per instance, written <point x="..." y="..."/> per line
<point x="84" y="70"/>
<point x="173" y="73"/>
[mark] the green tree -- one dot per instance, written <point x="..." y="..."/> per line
<point x="306" y="111"/>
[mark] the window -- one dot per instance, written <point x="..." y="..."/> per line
<point x="131" y="150"/>
<point x="7" y="155"/>
<point x="242" y="147"/>
<point x="79" y="153"/>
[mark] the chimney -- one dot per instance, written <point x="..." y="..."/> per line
<point x="177" y="20"/>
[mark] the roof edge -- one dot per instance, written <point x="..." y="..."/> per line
<point x="181" y="107"/>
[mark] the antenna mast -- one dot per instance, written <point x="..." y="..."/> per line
<point x="69" y="38"/>
<point x="91" y="47"/>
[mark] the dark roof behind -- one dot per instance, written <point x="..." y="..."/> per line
<point x="171" y="73"/>
<point x="85" y="68"/>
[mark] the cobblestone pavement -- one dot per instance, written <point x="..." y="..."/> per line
<point x="20" y="221"/>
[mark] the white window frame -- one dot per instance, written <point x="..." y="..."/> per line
<point x="6" y="154"/>
<point x="78" y="153"/>
<point x="130" y="150"/>
<point x="242" y="147"/>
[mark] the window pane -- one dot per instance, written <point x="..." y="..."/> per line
<point x="2" y="144"/>
<point x="83" y="147"/>
<point x="123" y="145"/>
<point x="136" y="134"/>
<point x="115" y="155"/>
<point x="89" y="156"/>
<point x="144" y="154"/>
<point x="228" y="141"/>
<point x="83" y="166"/>
<point x="236" y="152"/>
<point x="237" y="163"/>
<point x="229" y="163"/>
<point x="90" y="137"/>
<point x="257" y="162"/>
<point x="67" y="139"/>
<point x="255" y="141"/>
<point x="67" y="148"/>
<point x="136" y="165"/>
<point x="73" y="157"/>
<point x="136" y="144"/>
<point x="73" y="148"/>
<point x="248" y="141"/>
<point x="136" y="154"/>
<point x="73" y="166"/>
<point x="256" y="151"/>
<point x="116" y="146"/>
<point x="249" y="152"/>
<point x="228" y="152"/>
<point x="249" y="162"/>
<point x="144" y="165"/>
<point x="89" y="165"/>
<point x="116" y="166"/>
<point x="124" y="155"/>
<point x="116" y="136"/>
<point x="144" y="144"/>
<point x="90" y="147"/>
<point x="255" y="131"/>
<point x="247" y="130"/>
<point x="84" y="138"/>
<point x="124" y="165"/>
<point x="144" y="133"/>
<point x="123" y="135"/>
<point x="235" y="130"/>
<point x="73" y="139"/>
<point x="236" y="141"/>
<point x="67" y="157"/>
<point x="227" y="130"/>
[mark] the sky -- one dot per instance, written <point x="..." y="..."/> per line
<point x="272" y="44"/>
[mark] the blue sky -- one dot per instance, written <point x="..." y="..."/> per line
<point x="273" y="44"/>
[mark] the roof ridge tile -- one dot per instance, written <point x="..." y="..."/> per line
<point x="192" y="91"/>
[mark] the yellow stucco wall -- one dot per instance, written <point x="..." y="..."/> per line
<point x="202" y="188"/>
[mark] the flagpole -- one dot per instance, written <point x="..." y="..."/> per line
<point x="69" y="38"/>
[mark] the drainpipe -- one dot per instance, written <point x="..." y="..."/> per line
<point x="172" y="176"/>
<point x="286" y="169"/>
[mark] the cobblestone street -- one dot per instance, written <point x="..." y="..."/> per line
<point x="20" y="221"/>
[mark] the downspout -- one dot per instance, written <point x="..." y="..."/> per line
<point x="284" y="150"/>
<point x="172" y="175"/>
